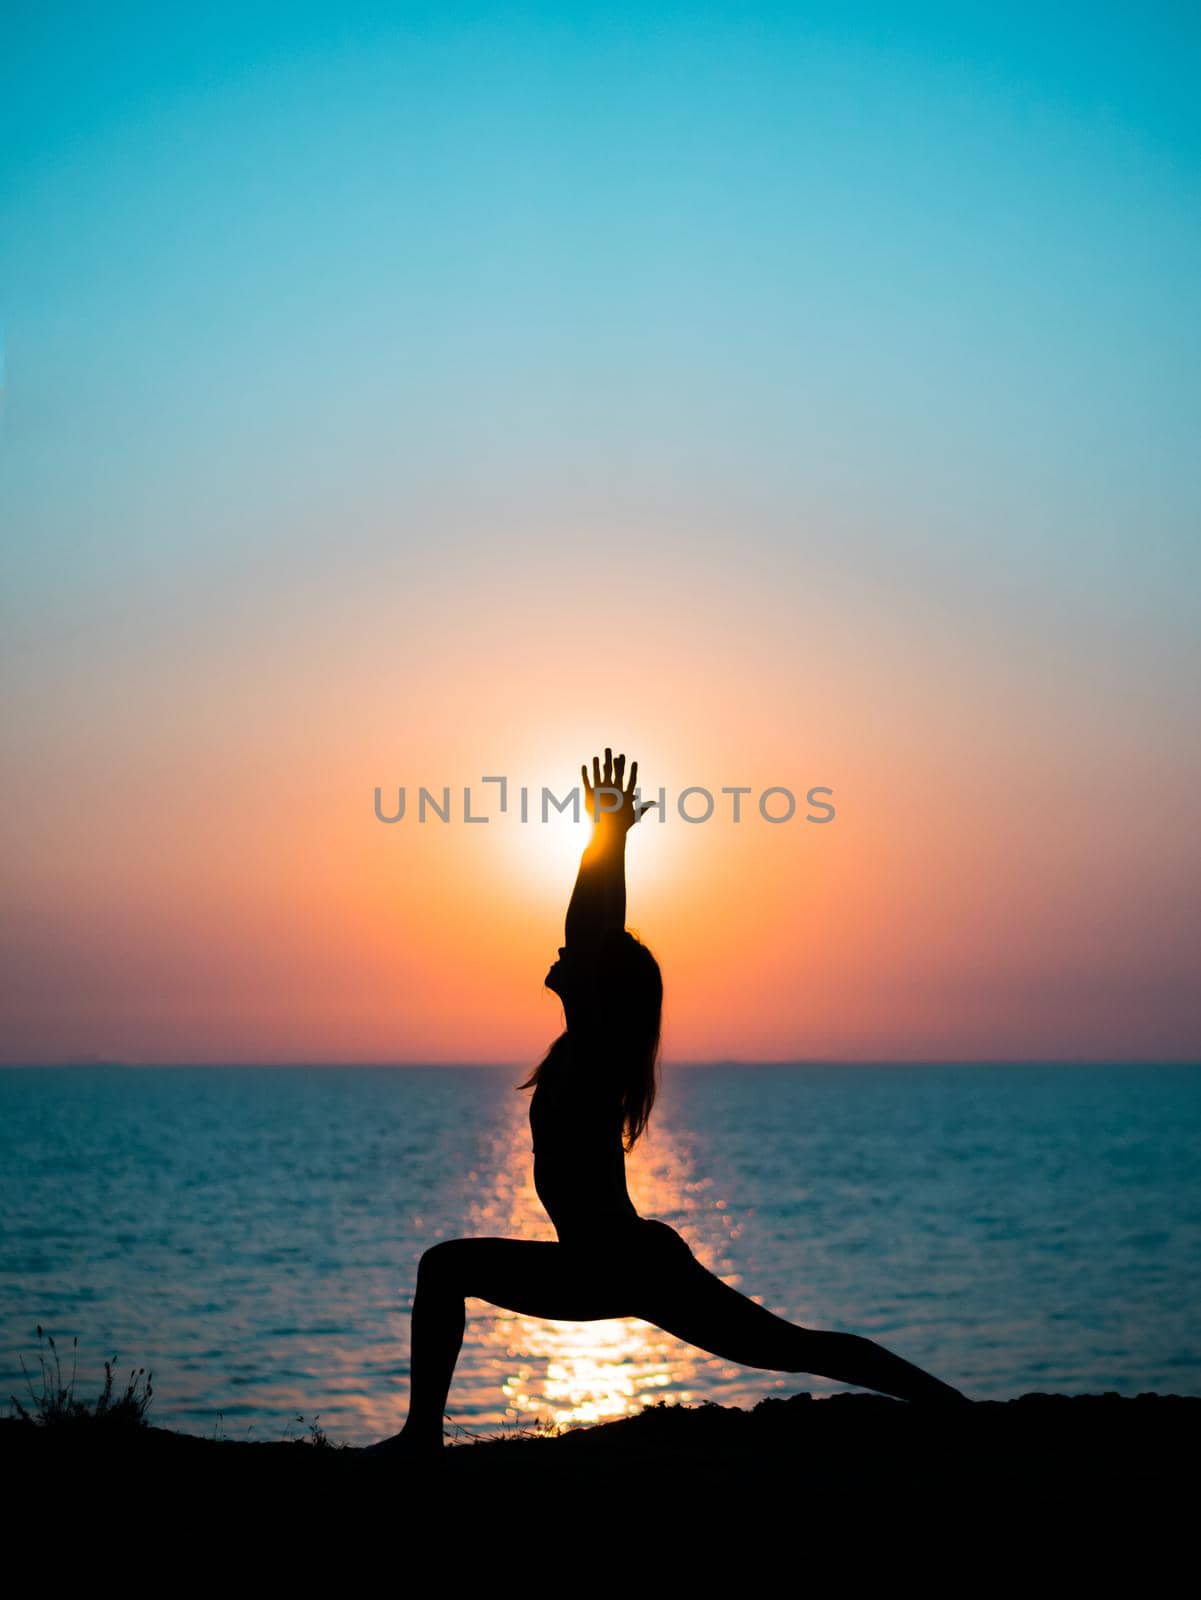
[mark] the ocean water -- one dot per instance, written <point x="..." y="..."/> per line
<point x="251" y="1235"/>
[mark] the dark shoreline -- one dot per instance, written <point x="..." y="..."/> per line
<point x="863" y="1450"/>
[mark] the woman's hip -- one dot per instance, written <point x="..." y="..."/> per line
<point x="643" y="1242"/>
<point x="661" y="1236"/>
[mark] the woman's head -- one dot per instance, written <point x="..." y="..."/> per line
<point x="612" y="998"/>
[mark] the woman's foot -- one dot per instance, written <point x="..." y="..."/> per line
<point x="405" y="1446"/>
<point x="943" y="1398"/>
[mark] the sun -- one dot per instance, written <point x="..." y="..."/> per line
<point x="544" y="852"/>
<point x="547" y="854"/>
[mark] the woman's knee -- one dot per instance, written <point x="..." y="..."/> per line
<point x="444" y="1263"/>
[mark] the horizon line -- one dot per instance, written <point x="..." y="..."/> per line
<point x="689" y="1062"/>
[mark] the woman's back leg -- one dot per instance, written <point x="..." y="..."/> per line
<point x="694" y="1305"/>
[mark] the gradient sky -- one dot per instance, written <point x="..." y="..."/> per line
<point x="784" y="394"/>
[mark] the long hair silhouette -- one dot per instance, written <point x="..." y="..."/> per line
<point x="629" y="994"/>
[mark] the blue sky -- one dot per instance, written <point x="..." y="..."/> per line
<point x="880" y="321"/>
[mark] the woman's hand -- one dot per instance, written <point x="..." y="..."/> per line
<point x="616" y="809"/>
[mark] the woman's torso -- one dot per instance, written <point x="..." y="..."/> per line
<point x="576" y="1125"/>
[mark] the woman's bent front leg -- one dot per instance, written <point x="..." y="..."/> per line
<point x="534" y="1279"/>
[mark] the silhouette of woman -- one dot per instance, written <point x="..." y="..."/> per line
<point x="593" y="1094"/>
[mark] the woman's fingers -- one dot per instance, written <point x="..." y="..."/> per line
<point x="612" y="775"/>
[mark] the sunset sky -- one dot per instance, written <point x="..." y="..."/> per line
<point x="784" y="395"/>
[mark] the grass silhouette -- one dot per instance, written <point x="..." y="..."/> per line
<point x="58" y="1405"/>
<point x="508" y="1433"/>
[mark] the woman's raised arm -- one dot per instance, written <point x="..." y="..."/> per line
<point x="598" y="901"/>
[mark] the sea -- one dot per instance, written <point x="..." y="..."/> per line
<point x="247" y="1238"/>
